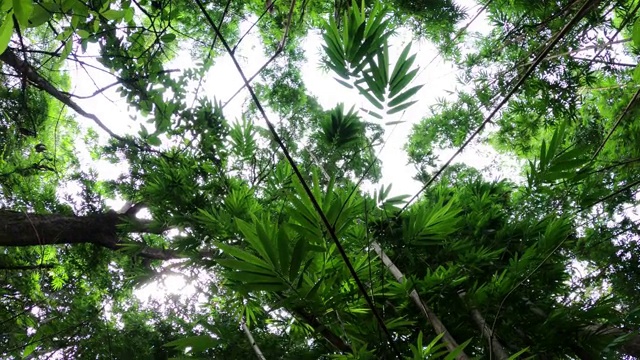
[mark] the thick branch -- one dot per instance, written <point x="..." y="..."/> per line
<point x="437" y="325"/>
<point x="103" y="229"/>
<point x="332" y="338"/>
<point x="10" y="58"/>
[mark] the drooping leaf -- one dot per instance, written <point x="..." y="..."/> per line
<point x="22" y="9"/>
<point x="6" y="29"/>
<point x="168" y="37"/>
<point x="402" y="83"/>
<point x="245" y="266"/>
<point x="404" y="96"/>
<point x="298" y="256"/>
<point x="401" y="64"/>
<point x="369" y="97"/>
<point x="243" y="255"/>
<point x="196" y="343"/>
<point x="401" y="107"/>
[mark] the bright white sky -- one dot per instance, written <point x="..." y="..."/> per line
<point x="223" y="81"/>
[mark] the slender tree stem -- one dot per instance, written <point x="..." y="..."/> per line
<point x="428" y="313"/>
<point x="252" y="342"/>
<point x="495" y="345"/>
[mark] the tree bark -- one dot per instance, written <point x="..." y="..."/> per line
<point x="494" y="344"/>
<point x="328" y="335"/>
<point x="253" y="343"/>
<point x="102" y="229"/>
<point x="437" y="325"/>
<point x="26" y="70"/>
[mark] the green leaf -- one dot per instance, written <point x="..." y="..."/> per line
<point x="556" y="141"/>
<point x="128" y="14"/>
<point x="246" y="277"/>
<point x="22" y="10"/>
<point x="356" y="42"/>
<point x="516" y="355"/>
<point x="245" y="266"/>
<point x="402" y="60"/>
<point x="401" y="83"/>
<point x="113" y="14"/>
<point x="311" y="234"/>
<point x="569" y="155"/>
<point x="283" y="251"/>
<point x="303" y="214"/>
<point x="402" y="71"/>
<point x="401" y="107"/>
<point x="265" y="286"/>
<point x="371" y="99"/>
<point x="5" y="6"/>
<point x="378" y="76"/>
<point x="568" y="165"/>
<point x="168" y="37"/>
<point x="375" y="114"/>
<point x="383" y="62"/>
<point x="344" y="83"/>
<point x="196" y="343"/>
<point x="375" y="86"/>
<point x="396" y="199"/>
<point x="394" y="122"/>
<point x="375" y="18"/>
<point x="68" y="46"/>
<point x="452" y="355"/>
<point x="314" y="290"/>
<point x="553" y="176"/>
<point x="543" y="157"/>
<point x="363" y="55"/>
<point x="243" y="255"/>
<point x="251" y="236"/>
<point x="83" y="33"/>
<point x="336" y="64"/>
<point x="299" y="253"/>
<point x="42" y="12"/>
<point x="635" y="33"/>
<point x="380" y="37"/>
<point x="30" y="348"/>
<point x="333" y="35"/>
<point x="267" y="242"/>
<point x="636" y="73"/>
<point x="404" y="96"/>
<point x="6" y="29"/>
<point x="335" y="54"/>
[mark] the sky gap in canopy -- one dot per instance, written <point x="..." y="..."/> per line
<point x="222" y="81"/>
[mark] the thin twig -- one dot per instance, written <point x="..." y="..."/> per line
<point x="273" y="57"/>
<point x="633" y="100"/>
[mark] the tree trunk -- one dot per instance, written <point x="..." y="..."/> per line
<point x="102" y="229"/>
<point x="426" y="311"/>
<point x="328" y="335"/>
<point x="253" y="343"/>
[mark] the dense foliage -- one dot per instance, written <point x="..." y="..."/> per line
<point x="264" y="217"/>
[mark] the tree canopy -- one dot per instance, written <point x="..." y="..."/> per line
<point x="279" y="249"/>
